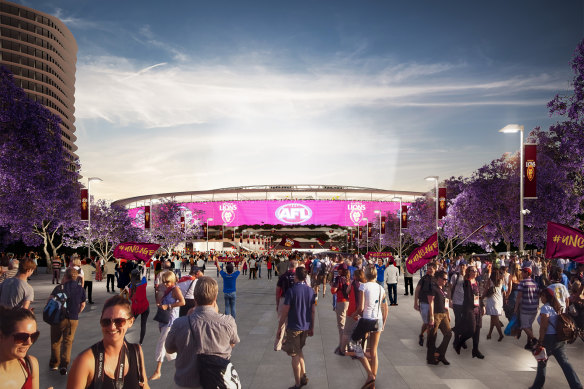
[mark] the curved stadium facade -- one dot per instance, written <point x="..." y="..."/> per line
<point x="287" y="205"/>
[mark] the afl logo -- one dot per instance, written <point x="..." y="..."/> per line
<point x="293" y="213"/>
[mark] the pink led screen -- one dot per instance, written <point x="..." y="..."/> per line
<point x="319" y="212"/>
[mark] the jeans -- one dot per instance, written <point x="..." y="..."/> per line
<point x="392" y="293"/>
<point x="56" y="275"/>
<point x="409" y="281"/>
<point x="143" y="321"/>
<point x="88" y="286"/>
<point x="230" y="304"/>
<point x="558" y="350"/>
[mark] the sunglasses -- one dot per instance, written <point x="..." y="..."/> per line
<point x="23" y="337"/>
<point x="118" y="322"/>
<point x="445" y="279"/>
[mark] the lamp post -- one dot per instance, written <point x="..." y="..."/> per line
<point x="367" y="233"/>
<point x="400" y="225"/>
<point x="89" y="214"/>
<point x="209" y="219"/>
<point x="511" y="129"/>
<point x="378" y="212"/>
<point x="435" y="179"/>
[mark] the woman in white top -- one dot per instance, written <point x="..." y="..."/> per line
<point x="372" y="305"/>
<point x="494" y="301"/>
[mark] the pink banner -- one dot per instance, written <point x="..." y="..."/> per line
<point x="564" y="242"/>
<point x="301" y="212"/>
<point x="136" y="251"/>
<point x="376" y="255"/>
<point x="423" y="254"/>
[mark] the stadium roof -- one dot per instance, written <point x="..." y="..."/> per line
<point x="276" y="192"/>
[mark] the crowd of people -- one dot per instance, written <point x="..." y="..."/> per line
<point x="511" y="289"/>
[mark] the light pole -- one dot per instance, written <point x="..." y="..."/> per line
<point x="435" y="179"/>
<point x="209" y="219"/>
<point x="510" y="129"/>
<point x="400" y="225"/>
<point x="367" y="233"/>
<point x="89" y="214"/>
<point x="378" y="212"/>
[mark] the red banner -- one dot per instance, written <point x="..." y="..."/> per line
<point x="564" y="242"/>
<point x="404" y="216"/>
<point x="369" y="229"/>
<point x="288" y="242"/>
<point x="529" y="171"/>
<point x="360" y="232"/>
<point x="321" y="242"/>
<point x="147" y="217"/>
<point x="335" y="248"/>
<point x="229" y="259"/>
<point x="204" y="229"/>
<point x="84" y="204"/>
<point x="383" y="224"/>
<point x="221" y="231"/>
<point x="136" y="251"/>
<point x="376" y="255"/>
<point x="423" y="254"/>
<point x="442" y="205"/>
<point x="353" y="234"/>
<point x="182" y="224"/>
<point x="233" y="236"/>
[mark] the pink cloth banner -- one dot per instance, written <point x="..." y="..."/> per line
<point x="423" y="254"/>
<point x="564" y="242"/>
<point x="376" y="256"/>
<point x="300" y="212"/>
<point x="136" y="251"/>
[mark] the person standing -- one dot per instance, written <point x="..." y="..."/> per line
<point x="88" y="269"/>
<point x="439" y="319"/>
<point x="391" y="278"/>
<point x="341" y="286"/>
<point x="62" y="334"/>
<point x="424" y="287"/>
<point x="269" y="265"/>
<point x="471" y="315"/>
<point x="187" y="287"/>
<point x="204" y="331"/>
<point x="56" y="264"/>
<point x="408" y="281"/>
<point x="526" y="305"/>
<point x="298" y="311"/>
<point x="229" y="288"/>
<point x="16" y="292"/>
<point x="252" y="268"/>
<point x="139" y="301"/>
<point x="110" y="274"/>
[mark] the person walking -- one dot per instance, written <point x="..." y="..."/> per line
<point x="526" y="305"/>
<point x="424" y="287"/>
<point x="88" y="268"/>
<point x="229" y="288"/>
<point x="408" y="281"/>
<point x="494" y="301"/>
<point x="16" y="292"/>
<point x="548" y="321"/>
<point x="285" y="282"/>
<point x="341" y="287"/>
<point x="187" y="287"/>
<point x="204" y="334"/>
<point x="299" y="312"/>
<point x="471" y="315"/>
<point x="439" y="318"/>
<point x="140" y="304"/>
<point x="63" y="334"/>
<point x="391" y="278"/>
<point x="269" y="265"/>
<point x="110" y="274"/>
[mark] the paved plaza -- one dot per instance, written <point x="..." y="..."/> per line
<point x="402" y="361"/>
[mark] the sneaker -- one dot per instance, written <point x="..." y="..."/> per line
<point x="421" y="340"/>
<point x="63" y="371"/>
<point x="53" y="368"/>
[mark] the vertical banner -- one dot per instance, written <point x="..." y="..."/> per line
<point x="182" y="224"/>
<point x="360" y="232"/>
<point x="529" y="171"/>
<point x="147" y="215"/>
<point x="348" y="236"/>
<point x="84" y="204"/>
<point x="353" y="234"/>
<point x="442" y="207"/>
<point x="233" y="236"/>
<point x="383" y="224"/>
<point x="404" y="216"/>
<point x="204" y="230"/>
<point x="369" y="229"/>
<point x="221" y="231"/>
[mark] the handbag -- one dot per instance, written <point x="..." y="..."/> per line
<point x="163" y="316"/>
<point x="513" y="326"/>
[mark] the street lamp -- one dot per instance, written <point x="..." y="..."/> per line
<point x="378" y="212"/>
<point x="511" y="129"/>
<point x="89" y="214"/>
<point x="400" y="225"/>
<point x="435" y="179"/>
<point x="367" y="233"/>
<point x="209" y="219"/>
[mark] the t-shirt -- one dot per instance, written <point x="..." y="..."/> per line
<point x="440" y="296"/>
<point x="561" y="293"/>
<point x="457" y="283"/>
<point x="14" y="292"/>
<point x="391" y="274"/>
<point x="373" y="295"/>
<point x="340" y="283"/>
<point x="529" y="295"/>
<point x="229" y="281"/>
<point x="380" y="272"/>
<point x="285" y="282"/>
<point x="300" y="298"/>
<point x="425" y="283"/>
<point x="187" y="286"/>
<point x="546" y="309"/>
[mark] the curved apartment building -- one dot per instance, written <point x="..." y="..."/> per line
<point x="41" y="53"/>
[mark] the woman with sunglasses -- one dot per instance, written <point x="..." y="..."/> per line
<point x="472" y="311"/>
<point x="121" y="364"/>
<point x="18" y="331"/>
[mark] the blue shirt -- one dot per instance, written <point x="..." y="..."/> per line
<point x="229" y="281"/>
<point x="380" y="272"/>
<point x="300" y="298"/>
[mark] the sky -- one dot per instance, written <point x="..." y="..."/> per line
<point x="188" y="95"/>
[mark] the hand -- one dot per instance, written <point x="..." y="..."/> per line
<point x="310" y="332"/>
<point x="416" y="306"/>
<point x="431" y="322"/>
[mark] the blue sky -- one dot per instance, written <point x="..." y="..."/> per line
<point x="190" y="95"/>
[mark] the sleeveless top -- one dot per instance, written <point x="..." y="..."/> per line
<point x="131" y="380"/>
<point x="28" y="370"/>
<point x="139" y="300"/>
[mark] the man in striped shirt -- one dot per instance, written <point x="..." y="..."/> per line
<point x="526" y="305"/>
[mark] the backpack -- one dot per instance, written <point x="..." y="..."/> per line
<point x="56" y="308"/>
<point x="566" y="328"/>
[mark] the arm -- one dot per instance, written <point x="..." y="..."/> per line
<point x="141" y="356"/>
<point x="283" y="316"/>
<point x="82" y="371"/>
<point x="543" y="325"/>
<point x="82" y="307"/>
<point x="384" y="311"/>
<point x="518" y="301"/>
<point x="278" y="295"/>
<point x="177" y="294"/>
<point x="26" y="304"/>
<point x="34" y="364"/>
<point x="431" y="310"/>
<point x="416" y="296"/>
<point x="311" y="329"/>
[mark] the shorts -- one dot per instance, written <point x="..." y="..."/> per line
<point x="424" y="309"/>
<point x="350" y="325"/>
<point x="294" y="342"/>
<point x="527" y="319"/>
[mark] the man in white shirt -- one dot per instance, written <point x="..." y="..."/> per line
<point x="391" y="277"/>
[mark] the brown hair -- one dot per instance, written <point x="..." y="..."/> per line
<point x="120" y="301"/>
<point x="10" y="316"/>
<point x="71" y="273"/>
<point x="206" y="291"/>
<point x="26" y="265"/>
<point x="370" y="273"/>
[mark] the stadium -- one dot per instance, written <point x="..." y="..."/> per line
<point x="270" y="212"/>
